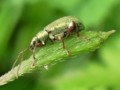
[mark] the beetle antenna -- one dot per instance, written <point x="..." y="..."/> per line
<point x="21" y="53"/>
<point x="19" y="65"/>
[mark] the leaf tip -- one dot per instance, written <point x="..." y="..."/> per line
<point x="112" y="31"/>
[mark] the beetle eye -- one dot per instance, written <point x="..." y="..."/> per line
<point x="32" y="45"/>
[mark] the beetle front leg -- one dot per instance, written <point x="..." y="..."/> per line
<point x="34" y="58"/>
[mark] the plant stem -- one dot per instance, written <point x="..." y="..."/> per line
<point x="53" y="53"/>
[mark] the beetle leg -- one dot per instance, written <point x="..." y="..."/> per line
<point x="77" y="31"/>
<point x="34" y="58"/>
<point x="63" y="45"/>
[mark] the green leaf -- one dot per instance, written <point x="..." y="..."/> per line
<point x="10" y="13"/>
<point x="52" y="54"/>
<point x="85" y="9"/>
<point x="110" y="55"/>
<point x="94" y="76"/>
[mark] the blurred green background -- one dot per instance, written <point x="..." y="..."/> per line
<point x="20" y="20"/>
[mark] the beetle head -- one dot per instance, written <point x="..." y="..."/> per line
<point x="36" y="43"/>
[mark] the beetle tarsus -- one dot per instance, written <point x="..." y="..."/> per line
<point x="64" y="47"/>
<point x="34" y="62"/>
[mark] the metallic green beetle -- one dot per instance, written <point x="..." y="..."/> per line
<point x="56" y="31"/>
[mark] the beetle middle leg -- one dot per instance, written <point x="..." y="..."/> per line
<point x="63" y="45"/>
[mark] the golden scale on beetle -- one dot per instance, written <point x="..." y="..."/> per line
<point x="55" y="31"/>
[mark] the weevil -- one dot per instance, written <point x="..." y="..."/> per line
<point x="56" y="31"/>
